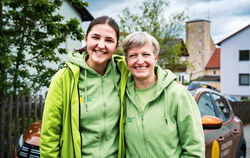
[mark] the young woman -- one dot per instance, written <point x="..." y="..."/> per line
<point x="163" y="119"/>
<point x="83" y="106"/>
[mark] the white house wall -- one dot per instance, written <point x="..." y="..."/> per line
<point x="231" y="66"/>
<point x="69" y="12"/>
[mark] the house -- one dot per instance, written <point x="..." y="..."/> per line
<point x="181" y="53"/>
<point x="70" y="9"/>
<point x="235" y="63"/>
<point x="200" y="47"/>
<point x="212" y="70"/>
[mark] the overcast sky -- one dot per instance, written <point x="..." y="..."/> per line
<point x="226" y="16"/>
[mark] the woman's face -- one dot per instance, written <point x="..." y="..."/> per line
<point x="101" y="44"/>
<point x="141" y="62"/>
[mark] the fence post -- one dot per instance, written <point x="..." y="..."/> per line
<point x="2" y="151"/>
<point x="23" y="114"/>
<point x="35" y="102"/>
<point x="17" y="119"/>
<point x="41" y="107"/>
<point x="29" y="110"/>
<point x="10" y="126"/>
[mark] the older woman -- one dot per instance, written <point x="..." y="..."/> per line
<point x="163" y="119"/>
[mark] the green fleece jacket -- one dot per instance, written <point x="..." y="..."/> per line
<point x="170" y="125"/>
<point x="60" y="133"/>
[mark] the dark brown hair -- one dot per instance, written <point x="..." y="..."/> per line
<point x="102" y="20"/>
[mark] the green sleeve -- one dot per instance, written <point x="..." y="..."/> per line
<point x="51" y="122"/>
<point x="121" y="64"/>
<point x="190" y="127"/>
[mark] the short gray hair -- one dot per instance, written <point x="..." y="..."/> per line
<point x="139" y="39"/>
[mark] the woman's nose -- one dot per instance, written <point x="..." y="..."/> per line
<point x="101" y="44"/>
<point x="140" y="59"/>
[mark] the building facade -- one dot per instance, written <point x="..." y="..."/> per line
<point x="200" y="46"/>
<point x="69" y="10"/>
<point x="235" y="63"/>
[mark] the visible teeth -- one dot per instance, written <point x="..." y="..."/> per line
<point x="140" y="68"/>
<point x="99" y="52"/>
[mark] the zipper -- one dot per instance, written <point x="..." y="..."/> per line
<point x="104" y="117"/>
<point x="79" y="115"/>
<point x="143" y="134"/>
<point x="104" y="108"/>
<point x="101" y="139"/>
<point x="141" y="114"/>
<point x="70" y="111"/>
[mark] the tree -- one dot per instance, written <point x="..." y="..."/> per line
<point x="31" y="33"/>
<point x="150" y="18"/>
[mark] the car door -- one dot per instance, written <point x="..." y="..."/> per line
<point x="206" y="107"/>
<point x="225" y="133"/>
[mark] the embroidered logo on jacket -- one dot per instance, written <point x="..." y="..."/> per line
<point x="87" y="99"/>
<point x="130" y="119"/>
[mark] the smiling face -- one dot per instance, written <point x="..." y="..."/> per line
<point x="101" y="44"/>
<point x="141" y="62"/>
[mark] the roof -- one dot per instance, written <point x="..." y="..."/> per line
<point x="197" y="20"/>
<point x="219" y="43"/>
<point x="214" y="61"/>
<point x="84" y="13"/>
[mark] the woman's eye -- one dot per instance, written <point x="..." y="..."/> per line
<point x="146" y="54"/>
<point x="109" y="41"/>
<point x="131" y="56"/>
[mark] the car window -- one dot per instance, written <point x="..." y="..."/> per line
<point x="222" y="106"/>
<point x="205" y="105"/>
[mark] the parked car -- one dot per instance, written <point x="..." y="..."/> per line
<point x="228" y="140"/>
<point x="223" y="131"/>
<point x="196" y="84"/>
<point x="29" y="142"/>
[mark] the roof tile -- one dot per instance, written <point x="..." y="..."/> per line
<point x="214" y="61"/>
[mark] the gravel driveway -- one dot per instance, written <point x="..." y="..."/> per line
<point x="247" y="137"/>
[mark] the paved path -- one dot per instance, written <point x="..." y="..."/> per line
<point x="247" y="137"/>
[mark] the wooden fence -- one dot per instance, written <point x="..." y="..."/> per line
<point x="16" y="116"/>
<point x="241" y="110"/>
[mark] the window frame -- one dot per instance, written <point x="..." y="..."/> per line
<point x="225" y="102"/>
<point x="212" y="103"/>
<point x="242" y="51"/>
<point x="242" y="84"/>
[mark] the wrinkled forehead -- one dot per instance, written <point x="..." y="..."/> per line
<point x="139" y="45"/>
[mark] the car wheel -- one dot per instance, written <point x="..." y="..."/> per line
<point x="241" y="151"/>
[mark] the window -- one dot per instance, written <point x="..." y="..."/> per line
<point x="205" y="105"/>
<point x="199" y="29"/>
<point x="214" y="72"/>
<point x="199" y="41"/>
<point x="244" y="79"/>
<point x="222" y="108"/>
<point x="244" y="55"/>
